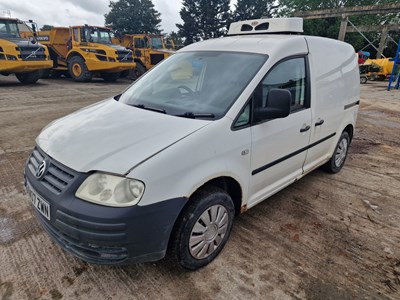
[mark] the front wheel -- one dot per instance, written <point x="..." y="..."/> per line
<point x="78" y="70"/>
<point x="339" y="156"/>
<point x="29" y="77"/>
<point x="203" y="228"/>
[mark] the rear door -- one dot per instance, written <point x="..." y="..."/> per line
<point x="279" y="146"/>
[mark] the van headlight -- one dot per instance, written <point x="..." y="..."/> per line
<point x="111" y="190"/>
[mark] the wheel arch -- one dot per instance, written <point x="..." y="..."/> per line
<point x="229" y="185"/>
<point x="350" y="130"/>
<point x="74" y="54"/>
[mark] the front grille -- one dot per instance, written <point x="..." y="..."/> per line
<point x="57" y="177"/>
<point x="156" y="58"/>
<point x="124" y="56"/>
<point x="32" y="53"/>
<point x="90" y="252"/>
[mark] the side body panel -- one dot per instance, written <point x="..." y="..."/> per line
<point x="209" y="153"/>
<point x="334" y="84"/>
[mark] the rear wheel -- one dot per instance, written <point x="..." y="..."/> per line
<point x="203" y="228"/>
<point x="363" y="79"/>
<point x="124" y="74"/>
<point x="339" y="156"/>
<point x="45" y="73"/>
<point x="110" y="77"/>
<point x="56" y="73"/>
<point x="29" y="77"/>
<point x="78" y="70"/>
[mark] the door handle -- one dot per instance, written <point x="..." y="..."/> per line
<point x="305" y="128"/>
<point x="319" y="122"/>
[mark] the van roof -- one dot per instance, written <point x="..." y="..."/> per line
<point x="263" y="44"/>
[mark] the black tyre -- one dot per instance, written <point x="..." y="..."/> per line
<point x="137" y="72"/>
<point x="56" y="74"/>
<point x="124" y="74"/>
<point x="110" y="77"/>
<point x="78" y="70"/>
<point x="202" y="229"/>
<point x="46" y="73"/>
<point x="363" y="79"/>
<point x="29" y="77"/>
<point x="339" y="156"/>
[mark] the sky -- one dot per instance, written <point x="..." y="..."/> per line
<point x="77" y="12"/>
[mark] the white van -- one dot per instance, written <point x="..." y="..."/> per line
<point x="205" y="135"/>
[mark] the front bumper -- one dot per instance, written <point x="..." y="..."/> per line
<point x="96" y="233"/>
<point x="21" y="66"/>
<point x="94" y="64"/>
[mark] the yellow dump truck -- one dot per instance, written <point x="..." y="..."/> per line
<point x="23" y="57"/>
<point x="148" y="50"/>
<point x="86" y="51"/>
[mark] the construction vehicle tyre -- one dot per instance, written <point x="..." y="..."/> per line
<point x="78" y="70"/>
<point x="46" y="73"/>
<point x="29" y="77"/>
<point x="110" y="77"/>
<point x="124" y="74"/>
<point x="56" y="74"/>
<point x="138" y="71"/>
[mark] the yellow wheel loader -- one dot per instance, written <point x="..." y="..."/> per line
<point x="148" y="50"/>
<point x="83" y="52"/>
<point x="25" y="58"/>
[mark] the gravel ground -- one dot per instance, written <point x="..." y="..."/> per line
<point x="324" y="237"/>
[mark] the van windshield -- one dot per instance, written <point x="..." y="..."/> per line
<point x="195" y="84"/>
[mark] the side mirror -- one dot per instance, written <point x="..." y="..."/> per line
<point x="279" y="102"/>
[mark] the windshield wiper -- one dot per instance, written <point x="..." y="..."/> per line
<point x="193" y="115"/>
<point x="142" y="106"/>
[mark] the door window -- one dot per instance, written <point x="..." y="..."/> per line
<point x="290" y="75"/>
<point x="76" y="34"/>
<point x="141" y="43"/>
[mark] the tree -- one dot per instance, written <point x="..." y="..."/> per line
<point x="46" y="27"/>
<point x="203" y="19"/>
<point x="133" y="16"/>
<point x="190" y="15"/>
<point x="254" y="9"/>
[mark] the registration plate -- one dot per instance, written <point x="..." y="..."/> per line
<point x="41" y="205"/>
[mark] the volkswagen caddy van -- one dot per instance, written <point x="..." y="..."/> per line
<point x="164" y="167"/>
